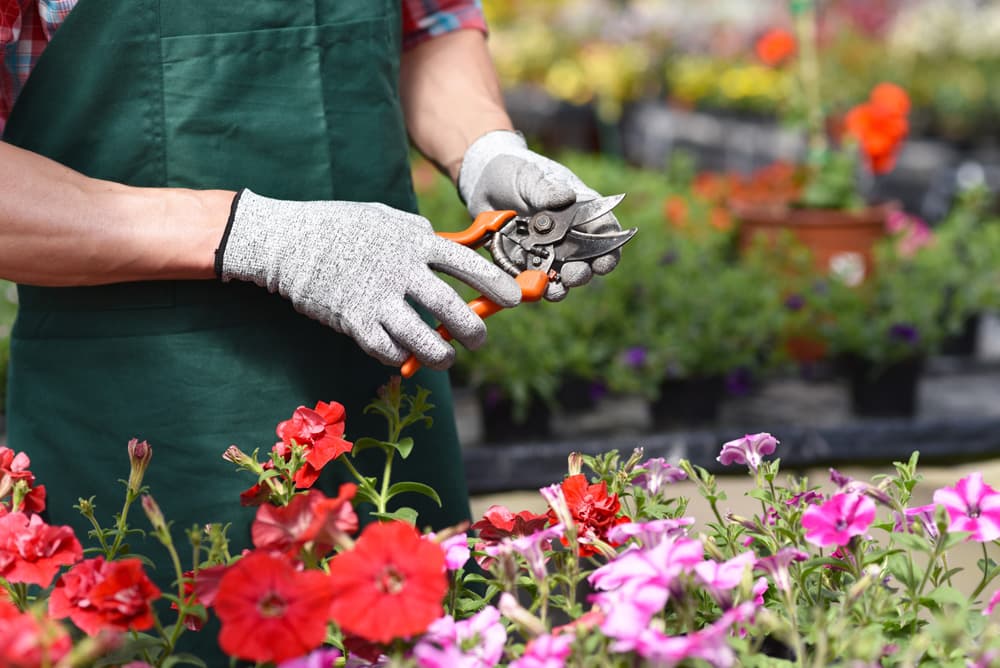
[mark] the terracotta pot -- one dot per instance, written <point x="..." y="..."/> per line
<point x="840" y="241"/>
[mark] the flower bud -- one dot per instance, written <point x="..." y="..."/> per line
<point x="633" y="460"/>
<point x="236" y="456"/>
<point x="139" y="455"/>
<point x="575" y="463"/>
<point x="514" y="611"/>
<point x="154" y="514"/>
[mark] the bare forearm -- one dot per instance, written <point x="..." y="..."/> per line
<point x="451" y="96"/>
<point x="60" y="228"/>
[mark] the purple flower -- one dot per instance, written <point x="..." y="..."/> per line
<point x="747" y="450"/>
<point x="658" y="473"/>
<point x="476" y="642"/>
<point x="849" y="485"/>
<point x="777" y="565"/>
<point x="837" y="520"/>
<point x="795" y="302"/>
<point x="597" y="390"/>
<point x="904" y="333"/>
<point x="806" y="498"/>
<point x="972" y="506"/>
<point x="738" y="382"/>
<point x="546" y="651"/>
<point x="635" y="357"/>
<point x="924" y="515"/>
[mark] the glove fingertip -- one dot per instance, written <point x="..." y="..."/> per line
<point x="606" y="263"/>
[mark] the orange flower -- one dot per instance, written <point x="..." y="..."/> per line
<point x="880" y="126"/>
<point x="675" y="210"/>
<point x="721" y="219"/>
<point x="775" y="46"/>
<point x="890" y="97"/>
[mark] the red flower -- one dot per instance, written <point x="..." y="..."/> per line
<point x="32" y="552"/>
<point x="880" y="125"/>
<point x="320" y="431"/>
<point x="775" y="46"/>
<point x="499" y="523"/>
<point x="14" y="468"/>
<point x="97" y="594"/>
<point x="593" y="510"/>
<point x="27" y="641"/>
<point x="200" y="590"/>
<point x="390" y="585"/>
<point x="269" y="611"/>
<point x="308" y="518"/>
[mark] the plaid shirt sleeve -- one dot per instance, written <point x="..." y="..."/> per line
<point x="424" y="19"/>
<point x="26" y="26"/>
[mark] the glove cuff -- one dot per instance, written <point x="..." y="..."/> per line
<point x="479" y="154"/>
<point x="220" y="252"/>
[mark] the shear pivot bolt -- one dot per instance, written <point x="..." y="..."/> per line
<point x="543" y="224"/>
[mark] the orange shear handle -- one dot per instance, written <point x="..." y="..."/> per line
<point x="532" y="282"/>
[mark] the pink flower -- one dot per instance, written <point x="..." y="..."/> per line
<point x="477" y="642"/>
<point x="637" y="584"/>
<point x="994" y="600"/>
<point x="456" y="551"/>
<point x="649" y="534"/>
<point x="747" y="450"/>
<point x="722" y="578"/>
<point x="532" y="548"/>
<point x="546" y="651"/>
<point x="658" y="474"/>
<point x="836" y="521"/>
<point x="27" y="640"/>
<point x="972" y="506"/>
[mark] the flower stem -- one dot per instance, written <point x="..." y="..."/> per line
<point x="809" y="75"/>
<point x="121" y="526"/>
<point x="987" y="578"/>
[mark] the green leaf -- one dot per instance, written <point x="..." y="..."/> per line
<point x="184" y="659"/>
<point x="366" y="443"/>
<point x="953" y="539"/>
<point x="363" y="494"/>
<point x="404" y="446"/>
<point x="911" y="542"/>
<point x="947" y="596"/>
<point x="904" y="570"/>
<point x="410" y="486"/>
<point x="408" y="515"/>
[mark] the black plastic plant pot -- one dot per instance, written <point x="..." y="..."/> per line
<point x="888" y="391"/>
<point x="501" y="424"/>
<point x="687" y="402"/>
<point x="965" y="342"/>
<point x="577" y="394"/>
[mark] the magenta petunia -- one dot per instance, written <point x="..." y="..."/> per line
<point x="972" y="506"/>
<point x="838" y="520"/>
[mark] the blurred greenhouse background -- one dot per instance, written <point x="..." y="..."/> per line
<point x="702" y="326"/>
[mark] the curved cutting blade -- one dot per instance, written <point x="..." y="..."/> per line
<point x="578" y="245"/>
<point x="584" y="212"/>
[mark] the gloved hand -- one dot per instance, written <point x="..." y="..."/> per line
<point x="351" y="266"/>
<point x="499" y="172"/>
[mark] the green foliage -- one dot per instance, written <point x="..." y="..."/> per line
<point x="8" y="309"/>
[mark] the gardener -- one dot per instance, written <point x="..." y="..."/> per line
<point x="158" y="146"/>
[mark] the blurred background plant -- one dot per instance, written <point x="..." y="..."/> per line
<point x="8" y="309"/>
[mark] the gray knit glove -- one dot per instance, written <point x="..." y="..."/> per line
<point x="352" y="265"/>
<point x="499" y="172"/>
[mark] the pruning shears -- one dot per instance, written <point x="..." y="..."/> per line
<point x="534" y="248"/>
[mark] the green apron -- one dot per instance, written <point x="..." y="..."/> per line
<point x="290" y="99"/>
